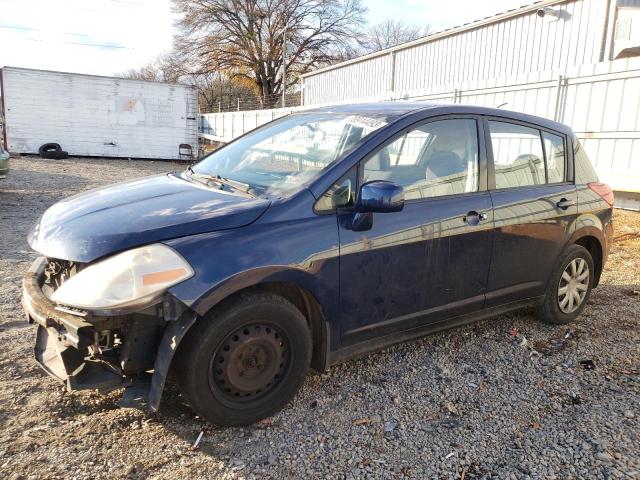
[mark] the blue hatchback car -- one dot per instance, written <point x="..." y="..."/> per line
<point x="317" y="237"/>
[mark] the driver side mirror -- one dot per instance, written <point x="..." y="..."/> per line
<point x="376" y="196"/>
<point x="380" y="196"/>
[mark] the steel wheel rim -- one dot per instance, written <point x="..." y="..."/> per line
<point x="249" y="363"/>
<point x="573" y="285"/>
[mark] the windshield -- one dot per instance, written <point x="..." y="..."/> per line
<point x="282" y="156"/>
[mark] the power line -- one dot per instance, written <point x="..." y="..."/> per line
<point x="126" y="3"/>
<point x="66" y="42"/>
<point x="31" y="29"/>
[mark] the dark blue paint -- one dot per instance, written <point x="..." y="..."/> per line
<point x="300" y="249"/>
<point x="424" y="261"/>
<point x="530" y="233"/>
<point x="421" y="264"/>
<point x="100" y="222"/>
<point x="379" y="196"/>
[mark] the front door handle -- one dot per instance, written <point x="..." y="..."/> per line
<point x="563" y="204"/>
<point x="474" y="218"/>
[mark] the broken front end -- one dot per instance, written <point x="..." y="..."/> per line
<point x="95" y="336"/>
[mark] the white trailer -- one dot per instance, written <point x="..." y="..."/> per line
<point x="90" y="115"/>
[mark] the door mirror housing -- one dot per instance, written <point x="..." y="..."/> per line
<point x="377" y="196"/>
<point x="380" y="196"/>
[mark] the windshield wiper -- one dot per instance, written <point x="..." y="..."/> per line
<point x="234" y="184"/>
<point x="243" y="187"/>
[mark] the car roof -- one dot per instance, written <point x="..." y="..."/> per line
<point x="394" y="110"/>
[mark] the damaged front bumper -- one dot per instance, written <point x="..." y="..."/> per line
<point x="88" y="351"/>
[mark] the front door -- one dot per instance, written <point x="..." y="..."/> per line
<point x="431" y="260"/>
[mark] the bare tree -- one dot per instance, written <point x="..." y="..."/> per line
<point x="215" y="89"/>
<point x="391" y="33"/>
<point x="218" y="92"/>
<point x="165" y="68"/>
<point x="245" y="38"/>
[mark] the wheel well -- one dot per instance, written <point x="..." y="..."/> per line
<point x="595" y="249"/>
<point x="308" y="306"/>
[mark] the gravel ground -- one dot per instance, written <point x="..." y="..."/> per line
<point x="504" y="398"/>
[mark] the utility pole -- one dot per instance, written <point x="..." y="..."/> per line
<point x="284" y="64"/>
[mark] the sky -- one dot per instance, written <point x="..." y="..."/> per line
<point x="107" y="37"/>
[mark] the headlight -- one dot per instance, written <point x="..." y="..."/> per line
<point x="131" y="278"/>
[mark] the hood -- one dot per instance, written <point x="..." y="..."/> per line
<point x="99" y="222"/>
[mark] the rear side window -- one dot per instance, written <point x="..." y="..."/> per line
<point x="525" y="156"/>
<point x="585" y="173"/>
<point x="554" y="152"/>
<point x="518" y="156"/>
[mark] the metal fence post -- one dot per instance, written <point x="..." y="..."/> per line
<point x="392" y="73"/>
<point x="560" y="97"/>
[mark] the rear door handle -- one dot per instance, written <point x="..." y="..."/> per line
<point x="474" y="218"/>
<point x="563" y="204"/>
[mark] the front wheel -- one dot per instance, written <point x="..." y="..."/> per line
<point x="246" y="360"/>
<point x="569" y="286"/>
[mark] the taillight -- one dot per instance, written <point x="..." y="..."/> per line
<point x="603" y="190"/>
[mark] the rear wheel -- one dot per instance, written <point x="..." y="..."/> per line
<point x="246" y="360"/>
<point x="569" y="286"/>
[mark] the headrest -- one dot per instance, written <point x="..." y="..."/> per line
<point x="443" y="164"/>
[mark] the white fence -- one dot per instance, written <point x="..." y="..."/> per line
<point x="225" y="126"/>
<point x="601" y="102"/>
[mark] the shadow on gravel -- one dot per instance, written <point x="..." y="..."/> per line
<point x="553" y="340"/>
<point x="4" y="326"/>
<point x="74" y="404"/>
<point x="20" y="211"/>
<point x="26" y="206"/>
<point x="27" y="179"/>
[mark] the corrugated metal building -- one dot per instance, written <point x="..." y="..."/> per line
<point x="575" y="61"/>
<point x="548" y="35"/>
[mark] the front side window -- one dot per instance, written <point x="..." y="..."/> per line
<point x="518" y="158"/>
<point x="342" y="194"/>
<point x="433" y="160"/>
<point x="283" y="156"/>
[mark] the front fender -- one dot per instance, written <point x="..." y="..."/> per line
<point x="303" y="252"/>
<point x="256" y="277"/>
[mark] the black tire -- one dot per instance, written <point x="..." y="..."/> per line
<point x="258" y="338"/>
<point x="50" y="150"/>
<point x="550" y="310"/>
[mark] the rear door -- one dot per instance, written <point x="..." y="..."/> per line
<point x="429" y="261"/>
<point x="535" y="205"/>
